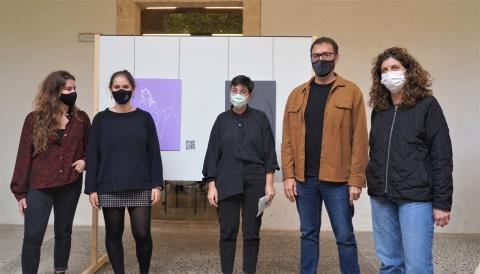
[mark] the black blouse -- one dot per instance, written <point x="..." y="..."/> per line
<point x="236" y="140"/>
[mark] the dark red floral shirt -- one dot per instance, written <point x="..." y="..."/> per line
<point x="53" y="167"/>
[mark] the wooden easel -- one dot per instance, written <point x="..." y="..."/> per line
<point x="96" y="262"/>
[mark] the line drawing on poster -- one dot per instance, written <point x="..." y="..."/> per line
<point x="160" y="117"/>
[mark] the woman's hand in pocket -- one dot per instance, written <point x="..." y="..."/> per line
<point x="79" y="166"/>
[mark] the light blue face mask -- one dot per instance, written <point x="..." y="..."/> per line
<point x="238" y="100"/>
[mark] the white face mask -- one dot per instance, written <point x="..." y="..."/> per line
<point x="238" y="100"/>
<point x="393" y="80"/>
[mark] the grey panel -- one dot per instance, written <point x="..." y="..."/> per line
<point x="264" y="99"/>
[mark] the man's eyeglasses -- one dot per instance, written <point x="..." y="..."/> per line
<point x="327" y="56"/>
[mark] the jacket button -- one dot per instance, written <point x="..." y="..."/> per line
<point x="61" y="171"/>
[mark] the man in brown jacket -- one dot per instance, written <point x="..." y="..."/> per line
<point x="324" y="155"/>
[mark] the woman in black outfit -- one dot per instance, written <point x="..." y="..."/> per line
<point x="239" y="166"/>
<point x="124" y="171"/>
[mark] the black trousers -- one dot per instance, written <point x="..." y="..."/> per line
<point x="64" y="201"/>
<point x="229" y="218"/>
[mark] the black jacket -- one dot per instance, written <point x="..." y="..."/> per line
<point x="411" y="154"/>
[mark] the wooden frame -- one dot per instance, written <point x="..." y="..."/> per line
<point x="96" y="262"/>
<point x="129" y="13"/>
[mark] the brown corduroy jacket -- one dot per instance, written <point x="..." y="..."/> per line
<point x="344" y="154"/>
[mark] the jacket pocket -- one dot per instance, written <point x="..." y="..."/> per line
<point x="342" y="113"/>
<point x="294" y="116"/>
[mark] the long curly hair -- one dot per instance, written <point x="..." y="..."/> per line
<point x="47" y="110"/>
<point x="418" y="82"/>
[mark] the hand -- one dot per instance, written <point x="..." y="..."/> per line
<point x="22" y="205"/>
<point x="441" y="217"/>
<point x="79" y="166"/>
<point x="290" y="189"/>
<point x="270" y="191"/>
<point x="212" y="194"/>
<point x="94" y="200"/>
<point x="156" y="194"/>
<point x="354" y="192"/>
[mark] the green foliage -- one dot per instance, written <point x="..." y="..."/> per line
<point x="205" y="22"/>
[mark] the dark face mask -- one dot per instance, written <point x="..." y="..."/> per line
<point x="69" y="99"/>
<point x="322" y="68"/>
<point x="122" y="96"/>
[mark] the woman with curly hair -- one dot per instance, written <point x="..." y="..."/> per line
<point x="48" y="170"/>
<point x="410" y="169"/>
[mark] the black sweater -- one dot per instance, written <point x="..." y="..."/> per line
<point x="123" y="153"/>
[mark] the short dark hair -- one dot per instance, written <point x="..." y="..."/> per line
<point x="325" y="40"/>
<point x="125" y="73"/>
<point x="243" y="80"/>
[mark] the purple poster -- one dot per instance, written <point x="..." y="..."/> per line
<point x="162" y="98"/>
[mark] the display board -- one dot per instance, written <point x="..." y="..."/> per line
<point x="182" y="82"/>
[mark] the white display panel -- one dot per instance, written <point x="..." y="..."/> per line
<point x="116" y="53"/>
<point x="251" y="56"/>
<point x="157" y="57"/>
<point x="204" y="64"/>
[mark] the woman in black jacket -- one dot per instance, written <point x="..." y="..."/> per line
<point x="410" y="169"/>
<point x="124" y="171"/>
<point x="239" y="167"/>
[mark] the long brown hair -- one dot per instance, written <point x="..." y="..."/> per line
<point x="47" y="109"/>
<point x="418" y="81"/>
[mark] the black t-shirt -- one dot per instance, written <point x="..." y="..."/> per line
<point x="314" y="114"/>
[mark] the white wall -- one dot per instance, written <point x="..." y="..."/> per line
<point x="442" y="35"/>
<point x="37" y="37"/>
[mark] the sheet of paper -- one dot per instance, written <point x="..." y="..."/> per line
<point x="263" y="203"/>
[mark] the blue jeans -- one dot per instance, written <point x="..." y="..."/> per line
<point x="311" y="193"/>
<point x="403" y="234"/>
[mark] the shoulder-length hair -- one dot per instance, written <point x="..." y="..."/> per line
<point x="418" y="82"/>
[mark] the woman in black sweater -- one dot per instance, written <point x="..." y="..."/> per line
<point x="124" y="171"/>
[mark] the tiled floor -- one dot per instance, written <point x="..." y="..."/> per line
<point x="187" y="247"/>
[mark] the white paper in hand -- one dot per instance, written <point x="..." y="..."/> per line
<point x="263" y="203"/>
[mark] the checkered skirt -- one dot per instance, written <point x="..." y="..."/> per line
<point x="127" y="198"/>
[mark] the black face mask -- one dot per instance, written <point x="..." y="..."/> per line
<point x="69" y="99"/>
<point x="122" y="96"/>
<point x="322" y="68"/>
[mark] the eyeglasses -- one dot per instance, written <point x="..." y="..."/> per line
<point x="242" y="92"/>
<point x="328" y="56"/>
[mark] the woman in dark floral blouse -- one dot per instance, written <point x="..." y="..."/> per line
<point x="48" y="170"/>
